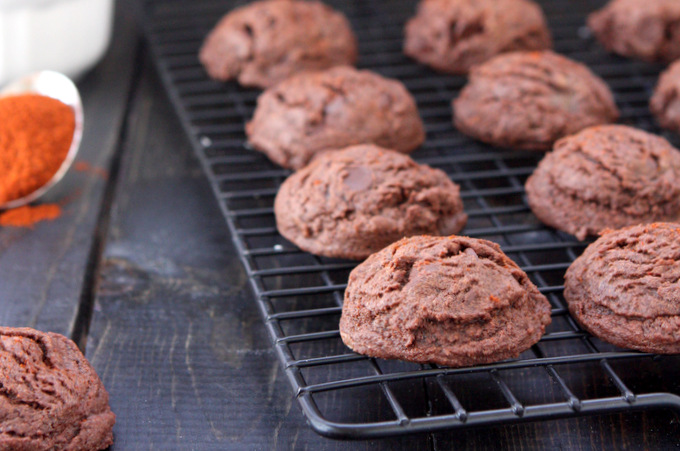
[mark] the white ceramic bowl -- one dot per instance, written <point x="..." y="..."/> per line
<point x="68" y="36"/>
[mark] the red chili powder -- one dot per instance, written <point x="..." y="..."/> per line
<point x="35" y="136"/>
<point x="84" y="166"/>
<point x="28" y="215"/>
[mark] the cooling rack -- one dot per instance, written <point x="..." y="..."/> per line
<point x="343" y="394"/>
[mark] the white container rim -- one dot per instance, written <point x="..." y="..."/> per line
<point x="16" y="4"/>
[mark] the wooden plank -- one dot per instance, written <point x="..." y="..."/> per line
<point x="181" y="348"/>
<point x="176" y="336"/>
<point x="43" y="271"/>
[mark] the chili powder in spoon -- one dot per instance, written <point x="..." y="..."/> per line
<point x="35" y="136"/>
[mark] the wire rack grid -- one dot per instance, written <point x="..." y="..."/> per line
<point x="343" y="394"/>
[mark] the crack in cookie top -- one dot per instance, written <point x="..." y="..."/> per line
<point x="645" y="29"/>
<point x="528" y="100"/>
<point x="352" y="202"/>
<point x="455" y="301"/>
<point x="316" y="111"/>
<point x="625" y="288"/>
<point x="606" y="177"/>
<point x="454" y="35"/>
<point x="265" y="42"/>
<point x="50" y="397"/>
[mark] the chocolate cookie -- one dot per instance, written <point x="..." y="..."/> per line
<point x="644" y="29"/>
<point x="353" y="202"/>
<point x="333" y="109"/>
<point x="453" y="301"/>
<point x="527" y="100"/>
<point x="624" y="288"/>
<point x="454" y="35"/>
<point x="665" y="103"/>
<point x="267" y="41"/>
<point x="50" y="397"/>
<point x="606" y="177"/>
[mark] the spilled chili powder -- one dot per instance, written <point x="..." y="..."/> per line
<point x="84" y="166"/>
<point x="35" y="136"/>
<point x="27" y="215"/>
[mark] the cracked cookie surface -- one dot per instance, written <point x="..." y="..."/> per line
<point x="644" y="29"/>
<point x="625" y="288"/>
<point x="454" y="301"/>
<point x="353" y="202"/>
<point x="606" y="177"/>
<point x="50" y="396"/>
<point x="267" y="41"/>
<point x="665" y="103"/>
<point x="332" y="109"/>
<point x="528" y="100"/>
<point x="454" y="35"/>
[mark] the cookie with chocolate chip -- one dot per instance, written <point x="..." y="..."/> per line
<point x="332" y="109"/>
<point x="454" y="35"/>
<point x="608" y="176"/>
<point x="50" y="397"/>
<point x="528" y="100"/>
<point x="624" y="288"/>
<point x="454" y="301"/>
<point x="267" y="41"/>
<point x="353" y="202"/>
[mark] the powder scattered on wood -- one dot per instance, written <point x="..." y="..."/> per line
<point x="84" y="166"/>
<point x="35" y="137"/>
<point x="28" y="216"/>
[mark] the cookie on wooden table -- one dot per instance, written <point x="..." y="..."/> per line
<point x="353" y="202"/>
<point x="665" y="103"/>
<point x="332" y="109"/>
<point x="607" y="176"/>
<point x="644" y="29"/>
<point x="454" y="301"/>
<point x="50" y="397"/>
<point x="528" y="100"/>
<point x="624" y="289"/>
<point x="454" y="35"/>
<point x="267" y="41"/>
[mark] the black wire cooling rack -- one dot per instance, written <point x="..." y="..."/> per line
<point x="343" y="394"/>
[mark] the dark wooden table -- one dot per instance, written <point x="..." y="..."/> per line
<point x="141" y="272"/>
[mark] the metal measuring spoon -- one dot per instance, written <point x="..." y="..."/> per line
<point x="58" y="86"/>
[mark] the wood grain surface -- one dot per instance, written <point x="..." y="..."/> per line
<point x="179" y="343"/>
<point x="46" y="270"/>
<point x="174" y="332"/>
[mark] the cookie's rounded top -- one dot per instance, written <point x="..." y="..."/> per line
<point x="644" y="29"/>
<point x="625" y="290"/>
<point x="336" y="108"/>
<point x="454" y="35"/>
<point x="265" y="42"/>
<point x="454" y="301"/>
<point x="51" y="398"/>
<point x="528" y="100"/>
<point x="665" y="103"/>
<point x="353" y="202"/>
<point x="606" y="177"/>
